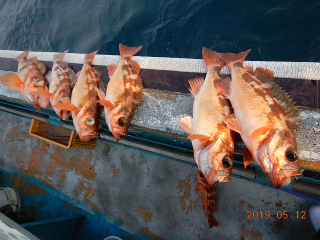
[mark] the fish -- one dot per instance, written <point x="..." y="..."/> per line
<point x="29" y="80"/>
<point x="208" y="195"/>
<point x="264" y="116"/>
<point x="124" y="92"/>
<point x="212" y="140"/>
<point x="61" y="77"/>
<point x="83" y="105"/>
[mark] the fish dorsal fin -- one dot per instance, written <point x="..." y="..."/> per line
<point x="59" y="56"/>
<point x="248" y="68"/>
<point x="43" y="68"/>
<point x="195" y="86"/>
<point x="232" y="122"/>
<point x="202" y="136"/>
<point x="23" y="55"/>
<point x="291" y="111"/>
<point x="211" y="58"/>
<point x="74" y="81"/>
<point x="35" y="58"/>
<point x="88" y="58"/>
<point x="261" y="132"/>
<point x="72" y="75"/>
<point x="101" y="94"/>
<point x="42" y="93"/>
<point x="247" y="158"/>
<point x="185" y="122"/>
<point x="230" y="58"/>
<point x="111" y="69"/>
<point x="126" y="51"/>
<point x="264" y="75"/>
<point x="135" y="66"/>
<point x="139" y="90"/>
<point x="67" y="107"/>
<point x="11" y="81"/>
<point x="106" y="103"/>
<point x="224" y="86"/>
<point x="102" y="85"/>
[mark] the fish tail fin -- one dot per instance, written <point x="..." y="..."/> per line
<point x="88" y="58"/>
<point x="59" y="56"/>
<point x="212" y="222"/>
<point x="211" y="58"/>
<point x="230" y="58"/>
<point x="23" y="55"/>
<point x="126" y="51"/>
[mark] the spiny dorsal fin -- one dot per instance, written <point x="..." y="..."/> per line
<point x="195" y="86"/>
<point x="264" y="75"/>
<point x="139" y="90"/>
<point x="102" y="85"/>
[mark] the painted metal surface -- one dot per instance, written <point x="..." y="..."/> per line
<point x="146" y="194"/>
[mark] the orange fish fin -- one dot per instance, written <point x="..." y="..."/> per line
<point x="196" y="187"/>
<point x="195" y="86"/>
<point x="212" y="222"/>
<point x="185" y="122"/>
<point x="135" y="66"/>
<point x="23" y="55"/>
<point x="232" y="122"/>
<point x="65" y="99"/>
<point x="12" y="81"/>
<point x="202" y="137"/>
<point x="106" y="103"/>
<point x="59" y="56"/>
<point x="247" y="158"/>
<point x="224" y="86"/>
<point x="101" y="94"/>
<point x="126" y="51"/>
<point x="139" y="90"/>
<point x="37" y="107"/>
<point x="111" y="69"/>
<point x="261" y="132"/>
<point x="211" y="58"/>
<point x="248" y="68"/>
<point x="35" y="58"/>
<point x="42" y="93"/>
<point x="287" y="172"/>
<point x="88" y="58"/>
<point x="67" y="107"/>
<point x="264" y="75"/>
<point x="230" y="58"/>
<point x="263" y="152"/>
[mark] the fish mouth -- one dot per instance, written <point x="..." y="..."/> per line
<point x="86" y="137"/>
<point x="224" y="178"/>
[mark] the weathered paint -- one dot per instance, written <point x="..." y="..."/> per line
<point x="143" y="193"/>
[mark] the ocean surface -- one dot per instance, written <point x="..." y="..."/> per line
<point x="275" y="30"/>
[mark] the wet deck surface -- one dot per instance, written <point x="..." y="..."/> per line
<point x="149" y="194"/>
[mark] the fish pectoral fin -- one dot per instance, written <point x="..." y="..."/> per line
<point x="126" y="51"/>
<point x="264" y="75"/>
<point x="196" y="187"/>
<point x="100" y="93"/>
<point x="135" y="66"/>
<point x="212" y="222"/>
<point x="106" y="103"/>
<point x="37" y="107"/>
<point x="12" y="81"/>
<point x="67" y="107"/>
<point x="247" y="158"/>
<point x="185" y="122"/>
<point x="261" y="132"/>
<point x="195" y="85"/>
<point x="223" y="87"/>
<point x="232" y="122"/>
<point x="202" y="137"/>
<point x="111" y="69"/>
<point x="42" y="93"/>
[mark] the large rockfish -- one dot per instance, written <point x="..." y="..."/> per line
<point x="84" y="106"/>
<point x="29" y="80"/>
<point x="60" y="80"/>
<point x="124" y="92"/>
<point x="208" y="196"/>
<point x="212" y="140"/>
<point x="264" y="116"/>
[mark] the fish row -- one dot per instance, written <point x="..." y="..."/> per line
<point x="78" y="94"/>
<point x="249" y="103"/>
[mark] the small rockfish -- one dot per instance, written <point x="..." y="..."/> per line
<point x="264" y="116"/>
<point x="29" y="80"/>
<point x="60" y="80"/>
<point x="212" y="140"/>
<point x="208" y="196"/>
<point x="124" y="92"/>
<point x="84" y="106"/>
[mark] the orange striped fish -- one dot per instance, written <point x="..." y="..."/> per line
<point x="208" y="196"/>
<point x="264" y="116"/>
<point x="84" y="106"/>
<point x="212" y="140"/>
<point x="124" y="92"/>
<point x="29" y="80"/>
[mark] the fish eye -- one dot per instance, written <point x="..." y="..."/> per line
<point x="122" y="121"/>
<point x="226" y="162"/>
<point x="201" y="175"/>
<point x="39" y="82"/>
<point x="90" y="122"/>
<point x="292" y="155"/>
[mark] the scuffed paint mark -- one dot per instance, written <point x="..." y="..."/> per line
<point x="249" y="234"/>
<point x="278" y="225"/>
<point x="115" y="171"/>
<point x="145" y="214"/>
<point x="279" y="204"/>
<point x="146" y="232"/>
<point x="187" y="204"/>
<point x="142" y="161"/>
